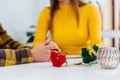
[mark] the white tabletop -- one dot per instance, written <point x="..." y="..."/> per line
<point x="45" y="71"/>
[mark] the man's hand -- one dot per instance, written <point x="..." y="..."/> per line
<point x="53" y="46"/>
<point x="41" y="53"/>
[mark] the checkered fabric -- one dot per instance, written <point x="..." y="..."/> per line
<point x="12" y="52"/>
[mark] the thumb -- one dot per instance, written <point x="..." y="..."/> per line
<point x="46" y="42"/>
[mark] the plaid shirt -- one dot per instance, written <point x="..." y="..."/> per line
<point x="12" y="52"/>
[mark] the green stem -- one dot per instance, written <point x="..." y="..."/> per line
<point x="73" y="57"/>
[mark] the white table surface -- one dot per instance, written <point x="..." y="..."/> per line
<point x="45" y="71"/>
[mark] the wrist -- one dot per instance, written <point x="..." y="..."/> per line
<point x="33" y="55"/>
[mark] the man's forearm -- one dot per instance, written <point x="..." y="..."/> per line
<point x="12" y="57"/>
<point x="7" y="42"/>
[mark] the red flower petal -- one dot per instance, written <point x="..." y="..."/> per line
<point x="57" y="59"/>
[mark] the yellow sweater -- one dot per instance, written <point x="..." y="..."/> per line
<point x="65" y="32"/>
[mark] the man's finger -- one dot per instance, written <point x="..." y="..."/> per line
<point x="46" y="42"/>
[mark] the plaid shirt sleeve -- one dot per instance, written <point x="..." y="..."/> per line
<point x="12" y="52"/>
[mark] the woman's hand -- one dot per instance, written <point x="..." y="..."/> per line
<point x="41" y="53"/>
<point x="53" y="46"/>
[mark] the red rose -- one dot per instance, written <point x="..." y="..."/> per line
<point x="57" y="59"/>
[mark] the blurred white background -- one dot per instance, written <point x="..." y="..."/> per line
<point x="18" y="15"/>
